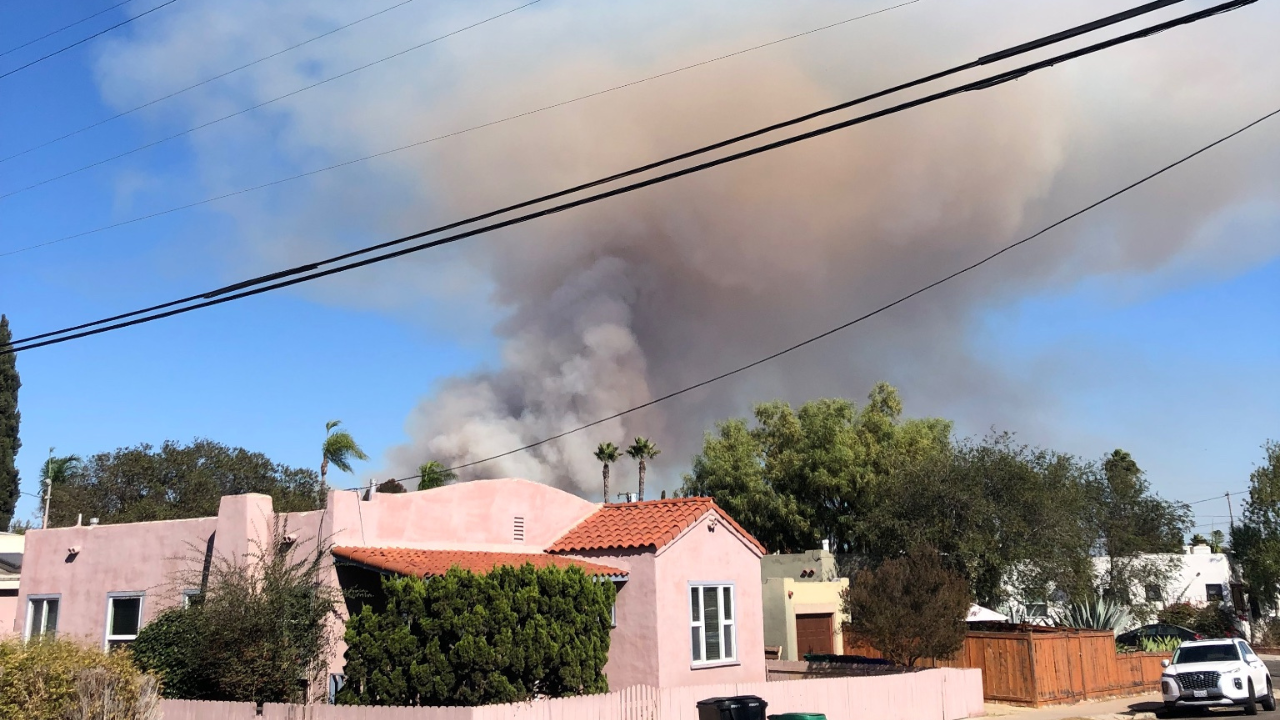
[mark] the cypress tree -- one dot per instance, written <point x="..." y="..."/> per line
<point x="9" y="416"/>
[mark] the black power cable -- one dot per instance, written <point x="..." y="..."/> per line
<point x="51" y="33"/>
<point x="264" y="103"/>
<point x="455" y="133"/>
<point x="982" y="84"/>
<point x="205" y="81"/>
<point x="82" y="41"/>
<point x="885" y="307"/>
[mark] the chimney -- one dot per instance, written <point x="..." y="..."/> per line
<point x="826" y="545"/>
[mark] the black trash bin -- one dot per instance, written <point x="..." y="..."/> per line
<point x="741" y="707"/>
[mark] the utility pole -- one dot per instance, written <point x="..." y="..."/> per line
<point x="48" y="490"/>
<point x="1230" y="513"/>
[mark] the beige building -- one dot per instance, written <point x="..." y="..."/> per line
<point x="802" y="609"/>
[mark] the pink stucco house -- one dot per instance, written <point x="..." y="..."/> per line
<point x="689" y="602"/>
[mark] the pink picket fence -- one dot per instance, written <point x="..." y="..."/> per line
<point x="940" y="694"/>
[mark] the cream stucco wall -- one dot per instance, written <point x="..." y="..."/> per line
<point x="784" y="598"/>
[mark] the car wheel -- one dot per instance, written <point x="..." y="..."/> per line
<point x="1251" y="703"/>
<point x="1269" y="700"/>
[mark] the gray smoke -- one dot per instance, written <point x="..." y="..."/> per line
<point x="604" y="307"/>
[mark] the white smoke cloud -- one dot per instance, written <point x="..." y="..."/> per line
<point x="607" y="306"/>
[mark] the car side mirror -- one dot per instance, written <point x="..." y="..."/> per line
<point x="1164" y="663"/>
<point x="1251" y="658"/>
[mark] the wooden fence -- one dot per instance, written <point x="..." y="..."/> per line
<point x="1047" y="667"/>
<point x="942" y="694"/>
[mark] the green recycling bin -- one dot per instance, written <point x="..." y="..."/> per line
<point x="798" y="716"/>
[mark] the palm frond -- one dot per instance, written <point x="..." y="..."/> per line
<point x="340" y="449"/>
<point x="643" y="449"/>
<point x="61" y="469"/>
<point x="607" y="452"/>
<point x="329" y="426"/>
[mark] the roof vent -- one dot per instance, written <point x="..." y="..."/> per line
<point x="517" y="533"/>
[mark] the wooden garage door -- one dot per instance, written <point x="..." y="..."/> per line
<point x="814" y="635"/>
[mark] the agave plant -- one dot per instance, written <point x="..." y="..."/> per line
<point x="1094" y="614"/>
<point x="1159" y="644"/>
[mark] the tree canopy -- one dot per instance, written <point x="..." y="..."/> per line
<point x="176" y="481"/>
<point x="1255" y="541"/>
<point x="1010" y="518"/>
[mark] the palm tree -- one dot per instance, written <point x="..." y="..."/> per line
<point x="607" y="453"/>
<point x="340" y="449"/>
<point x="642" y="449"/>
<point x="57" y="470"/>
<point x="432" y="475"/>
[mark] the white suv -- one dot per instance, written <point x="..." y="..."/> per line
<point x="1209" y="673"/>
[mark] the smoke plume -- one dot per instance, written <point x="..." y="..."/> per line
<point x="607" y="306"/>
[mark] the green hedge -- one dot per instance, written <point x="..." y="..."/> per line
<point x="466" y="639"/>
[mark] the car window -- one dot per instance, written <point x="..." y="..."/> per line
<point x="1220" y="652"/>
<point x="1244" y="649"/>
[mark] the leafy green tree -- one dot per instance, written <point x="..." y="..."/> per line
<point x="1005" y="516"/>
<point x="909" y="608"/>
<point x="467" y="639"/>
<point x="1255" y="541"/>
<point x="432" y="475"/>
<point x="1134" y="528"/>
<point x="10" y="418"/>
<point x="642" y="449"/>
<point x="176" y="481"/>
<point x="800" y="477"/>
<point x="1217" y="540"/>
<point x="339" y="449"/>
<point x="1199" y="539"/>
<point x="258" y="632"/>
<point x="607" y="453"/>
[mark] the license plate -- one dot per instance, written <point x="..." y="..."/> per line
<point x="1200" y="693"/>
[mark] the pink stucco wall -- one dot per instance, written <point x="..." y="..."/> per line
<point x="477" y="515"/>
<point x="8" y="615"/>
<point x="138" y="557"/>
<point x="709" y="551"/>
<point x="633" y="649"/>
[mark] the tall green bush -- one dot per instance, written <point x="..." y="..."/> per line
<point x="466" y="639"/>
<point x="259" y="632"/>
<point x="1182" y="614"/>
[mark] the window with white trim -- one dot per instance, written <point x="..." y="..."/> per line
<point x="42" y="616"/>
<point x="191" y="596"/>
<point x="713" y="633"/>
<point x="124" y="618"/>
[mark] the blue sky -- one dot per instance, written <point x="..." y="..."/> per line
<point x="1150" y="327"/>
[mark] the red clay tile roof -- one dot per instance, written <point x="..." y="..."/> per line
<point x="652" y="523"/>
<point x="422" y="563"/>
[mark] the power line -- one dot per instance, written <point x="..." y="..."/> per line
<point x="1224" y="495"/>
<point x="222" y="294"/>
<point x="264" y="103"/>
<point x="51" y="33"/>
<point x="205" y="81"/>
<point x="82" y="41"/>
<point x="455" y="133"/>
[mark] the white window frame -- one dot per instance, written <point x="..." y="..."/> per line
<point x="727" y="626"/>
<point x="26" y="635"/>
<point x="107" y="637"/>
<point x="187" y="595"/>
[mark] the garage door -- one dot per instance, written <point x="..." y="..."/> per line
<point x="814" y="635"/>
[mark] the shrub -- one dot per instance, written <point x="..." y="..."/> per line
<point x="58" y="680"/>
<point x="168" y="646"/>
<point x="467" y="639"/>
<point x="1182" y="614"/>
<point x="259" y="633"/>
<point x="1214" y="621"/>
<point x="909" y="608"/>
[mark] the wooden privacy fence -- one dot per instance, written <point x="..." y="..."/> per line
<point x="940" y="694"/>
<point x="1046" y="666"/>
